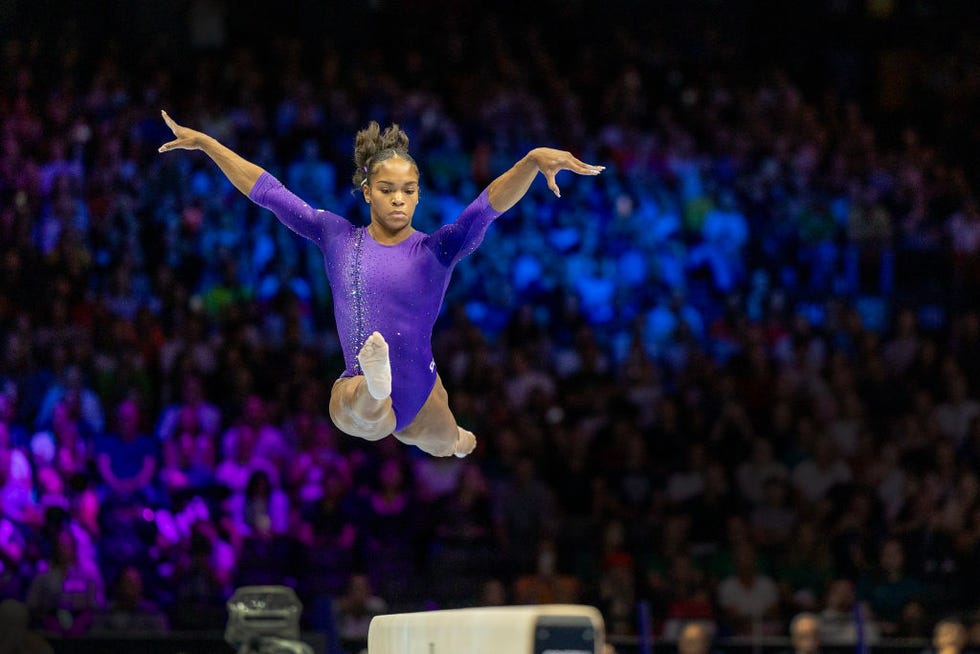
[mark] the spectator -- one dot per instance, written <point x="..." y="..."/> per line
<point x="804" y="633"/>
<point x="16" y="433"/>
<point x="972" y="634"/>
<point x="331" y="531"/>
<point x="617" y="594"/>
<point x="752" y="475"/>
<point x="129" y="611"/>
<point x="547" y="585"/>
<point x="838" y="619"/>
<point x="949" y="636"/>
<point x="237" y="465"/>
<point x="260" y="510"/>
<point x="188" y="460"/>
<point x="65" y="598"/>
<point x="817" y="474"/>
<point x="522" y="515"/>
<point x="773" y="521"/>
<point x="892" y="589"/>
<point x="127" y="460"/>
<point x="268" y="442"/>
<point x="688" y="597"/>
<point x="203" y="582"/>
<point x="955" y="414"/>
<point x="524" y="380"/>
<point x="353" y="611"/>
<point x="13" y="560"/>
<point x="78" y="403"/>
<point x="716" y="505"/>
<point x="193" y="400"/>
<point x="748" y="598"/>
<point x="16" y="478"/>
<point x="902" y="349"/>
<point x="16" y="501"/>
<point x="191" y="346"/>
<point x="685" y="486"/>
<point x="725" y="232"/>
<point x="260" y="530"/>
<point x="392" y="524"/>
<point x="462" y="547"/>
<point x="493" y="592"/>
<point x="696" y="638"/>
<point x="73" y="449"/>
<point x="314" y="439"/>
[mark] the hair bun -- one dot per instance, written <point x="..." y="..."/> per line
<point x="372" y="146"/>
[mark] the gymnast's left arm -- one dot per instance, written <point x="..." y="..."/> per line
<point x="458" y="239"/>
<point x="504" y="192"/>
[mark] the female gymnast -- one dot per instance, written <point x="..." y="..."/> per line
<point x="388" y="280"/>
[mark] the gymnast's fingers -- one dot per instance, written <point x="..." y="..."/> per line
<point x="583" y="168"/>
<point x="568" y="161"/>
<point x="170" y="122"/>
<point x="550" y="176"/>
<point x="177" y="144"/>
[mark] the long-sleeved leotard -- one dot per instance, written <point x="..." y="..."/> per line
<point x="396" y="290"/>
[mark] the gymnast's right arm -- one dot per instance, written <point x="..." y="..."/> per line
<point x="258" y="185"/>
<point x="241" y="173"/>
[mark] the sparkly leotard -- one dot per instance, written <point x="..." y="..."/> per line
<point x="396" y="290"/>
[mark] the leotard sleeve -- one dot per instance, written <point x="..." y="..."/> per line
<point x="313" y="224"/>
<point x="454" y="241"/>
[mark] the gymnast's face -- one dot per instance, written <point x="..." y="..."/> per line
<point x="393" y="193"/>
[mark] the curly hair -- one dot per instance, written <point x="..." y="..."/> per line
<point x="372" y="146"/>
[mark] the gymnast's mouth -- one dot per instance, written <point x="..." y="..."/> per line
<point x="397" y="214"/>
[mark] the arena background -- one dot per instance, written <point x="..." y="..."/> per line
<point x="733" y="379"/>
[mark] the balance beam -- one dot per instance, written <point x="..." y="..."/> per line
<point x="541" y="629"/>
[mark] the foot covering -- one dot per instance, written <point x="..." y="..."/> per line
<point x="465" y="443"/>
<point x="376" y="366"/>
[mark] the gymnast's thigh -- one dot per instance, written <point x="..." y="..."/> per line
<point x="434" y="428"/>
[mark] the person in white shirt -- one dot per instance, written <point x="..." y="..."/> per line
<point x="955" y="414"/>
<point x="838" y="623"/>
<point x="817" y="474"/>
<point x="748" y="598"/>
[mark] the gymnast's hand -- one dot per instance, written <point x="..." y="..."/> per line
<point x="241" y="173"/>
<point x="550" y="161"/>
<point x="187" y="138"/>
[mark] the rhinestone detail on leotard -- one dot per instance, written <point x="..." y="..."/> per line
<point x="357" y="297"/>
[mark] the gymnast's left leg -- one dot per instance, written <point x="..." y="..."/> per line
<point x="361" y="405"/>
<point x="434" y="429"/>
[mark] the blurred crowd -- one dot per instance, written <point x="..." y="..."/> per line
<point x="734" y="378"/>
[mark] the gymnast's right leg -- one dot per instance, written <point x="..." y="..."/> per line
<point x="434" y="429"/>
<point x="361" y="405"/>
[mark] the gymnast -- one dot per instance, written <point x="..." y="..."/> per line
<point x="388" y="280"/>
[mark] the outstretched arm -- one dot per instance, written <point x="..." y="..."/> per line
<point x="454" y="241"/>
<point x="241" y="173"/>
<point x="259" y="186"/>
<point x="504" y="192"/>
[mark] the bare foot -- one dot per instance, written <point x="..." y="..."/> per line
<point x="376" y="366"/>
<point x="465" y="443"/>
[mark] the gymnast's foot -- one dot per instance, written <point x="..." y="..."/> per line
<point x="465" y="443"/>
<point x="376" y="366"/>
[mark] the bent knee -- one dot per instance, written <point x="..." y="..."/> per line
<point x="369" y="427"/>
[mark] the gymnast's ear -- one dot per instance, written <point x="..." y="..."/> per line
<point x="366" y="190"/>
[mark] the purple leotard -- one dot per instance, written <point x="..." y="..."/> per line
<point x="396" y="290"/>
